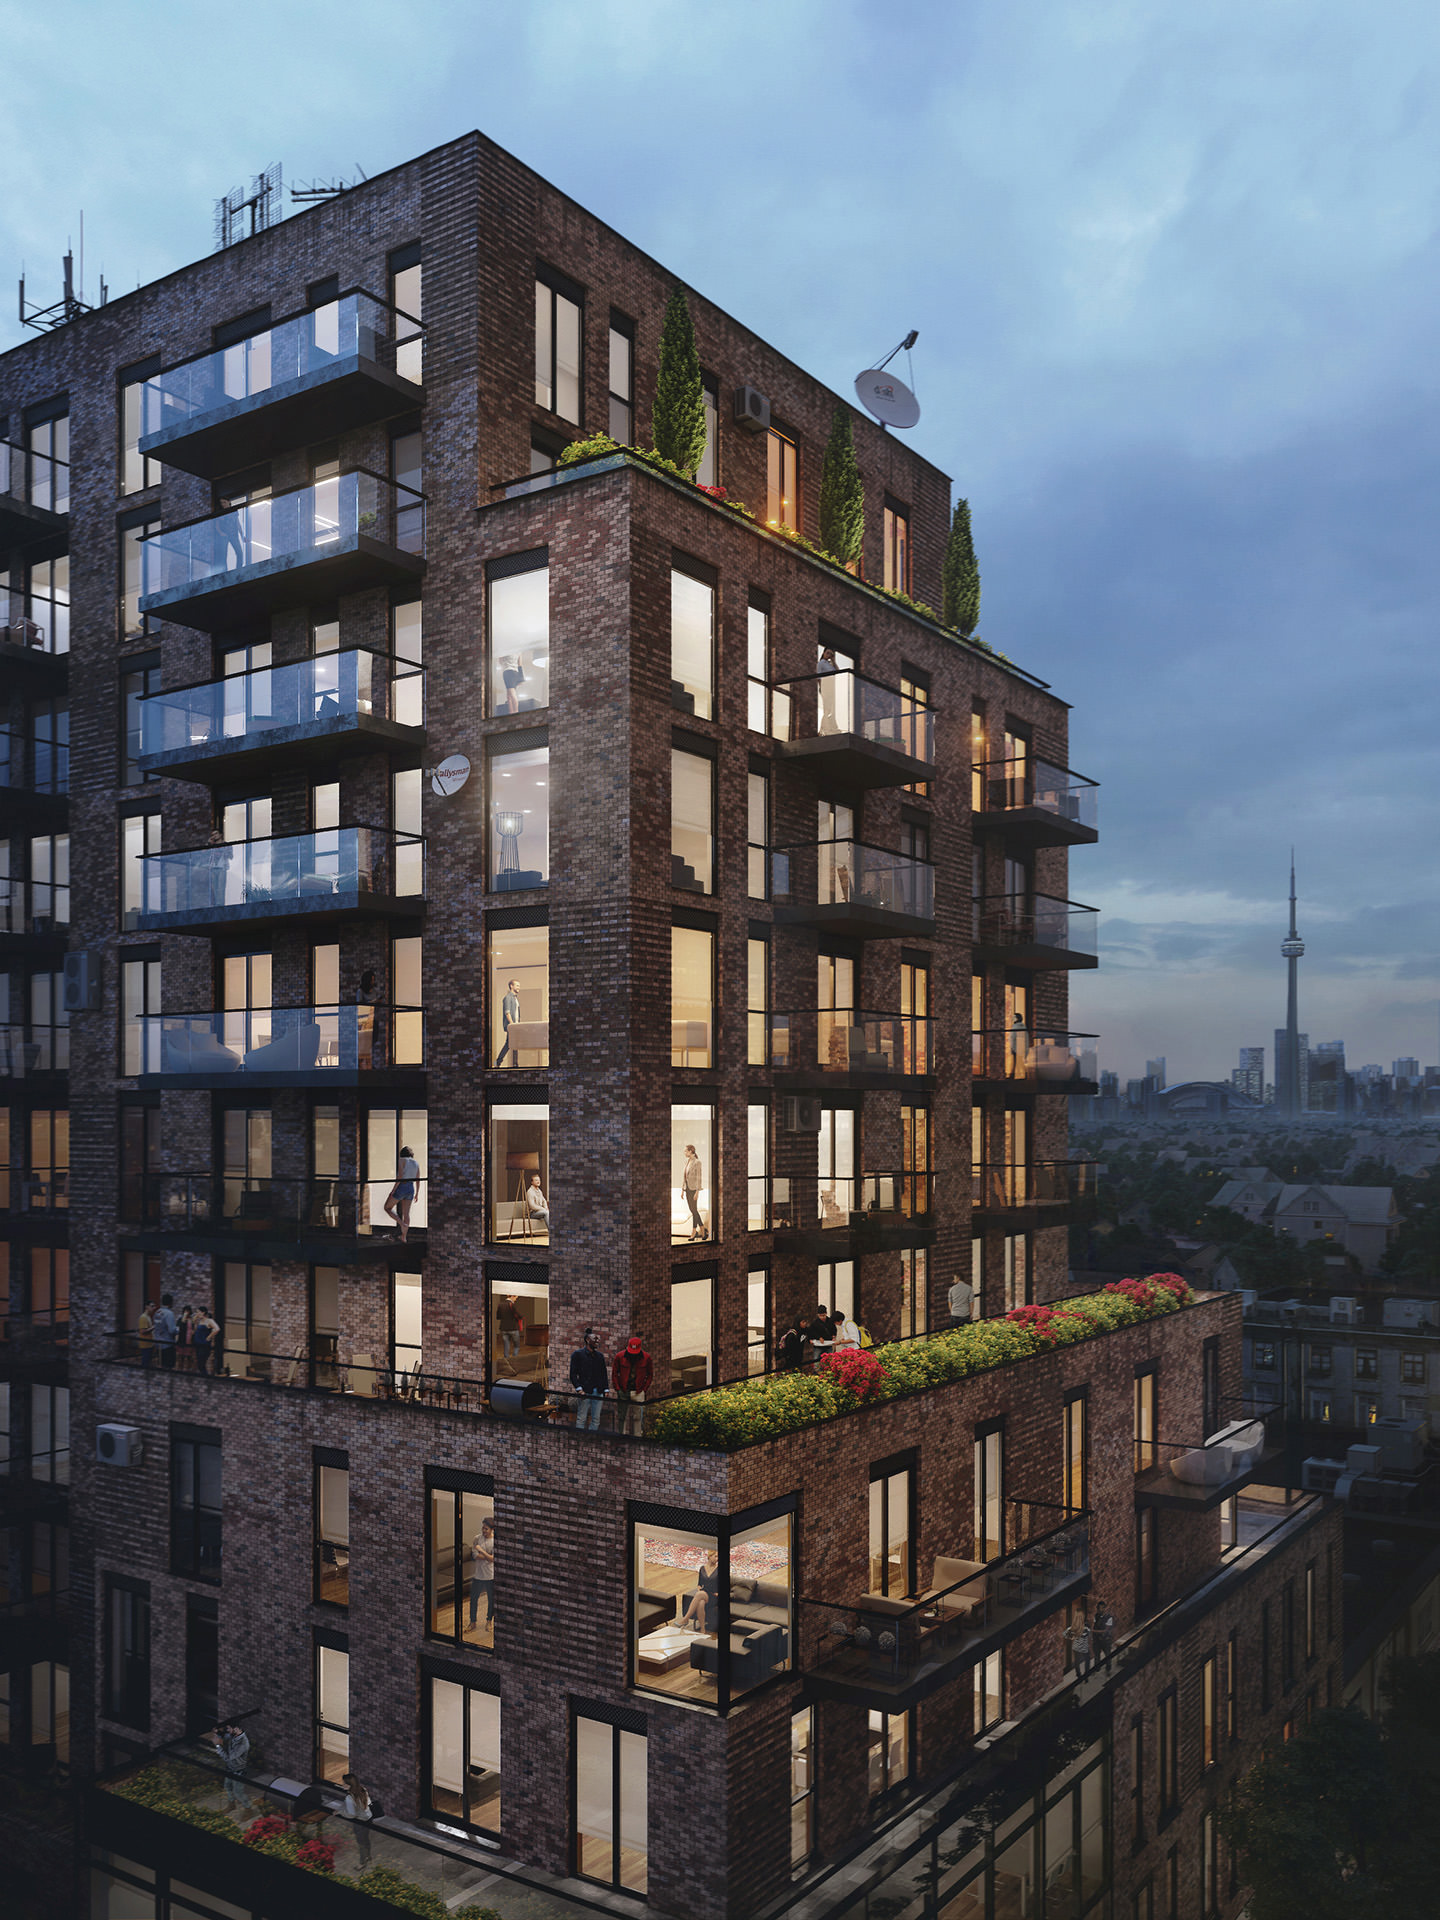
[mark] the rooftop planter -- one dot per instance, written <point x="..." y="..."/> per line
<point x="726" y="1419"/>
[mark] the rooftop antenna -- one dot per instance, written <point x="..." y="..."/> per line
<point x="240" y="215"/>
<point x="328" y="189"/>
<point x="885" y="395"/>
<point x="72" y="302"/>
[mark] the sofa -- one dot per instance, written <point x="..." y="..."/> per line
<point x="1235" y="1449"/>
<point x="653" y="1610"/>
<point x="292" y="1052"/>
<point x="958" y="1601"/>
<point x="195" y="1050"/>
<point x="755" y="1653"/>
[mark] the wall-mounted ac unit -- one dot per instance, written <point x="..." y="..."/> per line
<point x="752" y="409"/>
<point x="800" y="1113"/>
<point x="82" y="982"/>
<point x="119" y="1446"/>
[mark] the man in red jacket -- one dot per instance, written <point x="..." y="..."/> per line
<point x="632" y="1374"/>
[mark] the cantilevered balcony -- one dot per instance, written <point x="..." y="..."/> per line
<point x="351" y="1046"/>
<point x="844" y="1213"/>
<point x="1197" y="1475"/>
<point x="1044" y="1192"/>
<point x="307" y="378"/>
<point x="27" y="653"/>
<point x="855" y="730"/>
<point x="333" y="873"/>
<point x="306" y="710"/>
<point x="816" y="1047"/>
<point x="34" y="497"/>
<point x="888" y="1653"/>
<point x="1034" y="931"/>
<point x="335" y="536"/>
<point x="846" y="888"/>
<point x="242" y="1216"/>
<point x="1036" y="804"/>
<point x="1032" y="1060"/>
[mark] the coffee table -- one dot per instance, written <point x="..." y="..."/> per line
<point x="661" y="1652"/>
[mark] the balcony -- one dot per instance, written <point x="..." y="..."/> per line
<point x="27" y="649"/>
<point x="841" y="1047"/>
<point x="888" y="1654"/>
<point x="335" y="536"/>
<point x="844" y="887"/>
<point x="257" y="1217"/>
<point x="1036" y="1062"/>
<point x="855" y="730"/>
<point x="37" y="1053"/>
<point x="1198" y="1475"/>
<point x="334" y="873"/>
<point x="34" y="497"/>
<point x="35" y="1344"/>
<point x="863" y="1213"/>
<point x="253" y="724"/>
<point x="355" y="1046"/>
<point x="1044" y="1191"/>
<point x="42" y="1193"/>
<point x="1036" y="804"/>
<point x="1036" y="932"/>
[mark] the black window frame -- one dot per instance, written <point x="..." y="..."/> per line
<point x="560" y="285"/>
<point x="203" y="1559"/>
<point x="457" y="1483"/>
<point x="619" y="1720"/>
<point x="622" y="327"/>
<point x="127" y="1668"/>
<point x="1167" y="1754"/>
<point x="147" y="669"/>
<point x="333" y="1460"/>
<point x="473" y="1680"/>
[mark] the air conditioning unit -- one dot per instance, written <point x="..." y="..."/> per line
<point x="752" y="409"/>
<point x="1344" y="1310"/>
<point x="800" y="1113"/>
<point x="119" y="1446"/>
<point x="1321" y="1476"/>
<point x="82" y="982"/>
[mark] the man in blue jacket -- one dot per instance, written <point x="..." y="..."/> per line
<point x="590" y="1378"/>
<point x="164" y="1331"/>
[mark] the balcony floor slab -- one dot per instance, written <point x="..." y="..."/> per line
<point x="853" y="920"/>
<point x="218" y="762"/>
<point x="857" y="762"/>
<point x="351" y="563"/>
<point x="327" y="907"/>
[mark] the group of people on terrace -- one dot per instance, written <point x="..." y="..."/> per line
<point x="191" y="1342"/>
<point x="827" y="1330"/>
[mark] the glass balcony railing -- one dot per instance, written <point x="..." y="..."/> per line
<point x="1049" y="1062"/>
<point x="33" y="1049"/>
<point x="295" y="350"/>
<point x="272" y="1209"/>
<point x="845" y="1041"/>
<point x="1001" y="1186"/>
<point x="1026" y="785"/>
<point x="325" y="689"/>
<point x="301" y="870"/>
<point x="34" y="483"/>
<point x="275" y="1040"/>
<point x="837" y="876"/>
<point x="325" y="519"/>
<point x="847" y="705"/>
<point x="807" y="1203"/>
<point x="1037" y="926"/>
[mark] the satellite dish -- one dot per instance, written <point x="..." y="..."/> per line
<point x="889" y="399"/>
<point x="450" y="775"/>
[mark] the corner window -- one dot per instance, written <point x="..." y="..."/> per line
<point x="520" y="1173"/>
<point x="519" y="610"/>
<point x="518" y="967"/>
<point x="782" y="499"/>
<point x="692" y="996"/>
<point x="557" y="347"/>
<point x="692" y="1173"/>
<point x="463" y="1774"/>
<point x="462" y="1565"/>
<point x="692" y="822"/>
<point x="611" y="1805"/>
<point x="692" y="644"/>
<point x="622" y="379"/>
<point x="520" y="818"/>
<point x="696" y="1592"/>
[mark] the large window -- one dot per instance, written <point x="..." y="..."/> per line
<point x="914" y="1292"/>
<point x="134" y="685"/>
<point x="989" y="1498"/>
<point x="692" y="1173"/>
<point x="696" y="1591"/>
<point x="139" y="835"/>
<point x="1075" y="1451"/>
<point x="835" y="1154"/>
<point x="915" y="1160"/>
<point x="137" y="470"/>
<point x="757" y="995"/>
<point x="889" y="1751"/>
<point x="49" y="446"/>
<point x="892" y="1530"/>
<point x="757" y="1320"/>
<point x="50" y="746"/>
<point x="757" y="1166"/>
<point x="757" y="662"/>
<point x="195" y="1504"/>
<point x="407" y="278"/>
<point x="127" y="1651"/>
<point x="393" y="1135"/>
<point x="47" y="1183"/>
<point x="463" y="1777"/>
<point x="518" y="967"/>
<point x="622" y="379"/>
<point x="802" y="1786"/>
<point x="782" y="495"/>
<point x="707" y="474"/>
<point x="50" y="1434"/>
<point x="692" y="644"/>
<point x="692" y="822"/>
<point x="611" y="1828"/>
<point x="332" y="1528"/>
<point x="332" y="1710"/>
<point x="692" y="1333"/>
<point x="519" y="1325"/>
<point x="462" y="1563"/>
<point x="48" y="602"/>
<point x="407" y="986"/>
<point x="557" y="346"/>
<point x="520" y="818"/>
<point x="520" y="1173"/>
<point x="1147" y="1389"/>
<point x="990" y="1691"/>
<point x="519" y="633"/>
<point x="49" y="882"/>
<point x="133" y="535"/>
<point x="757" y="826"/>
<point x="245" y="1317"/>
<point x="692" y="996"/>
<point x="407" y="1343"/>
<point x="835" y="1288"/>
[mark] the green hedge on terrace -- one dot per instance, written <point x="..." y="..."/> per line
<point x="725" y="1419"/>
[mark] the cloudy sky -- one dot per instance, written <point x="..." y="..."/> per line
<point x="1175" y="274"/>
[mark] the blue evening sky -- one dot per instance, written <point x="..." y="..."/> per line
<point x="1175" y="274"/>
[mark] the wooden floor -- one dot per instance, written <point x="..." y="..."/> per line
<point x="684" y="1682"/>
<point x="482" y="1634"/>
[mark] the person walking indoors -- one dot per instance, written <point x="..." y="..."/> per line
<point x="631" y="1376"/>
<point x="482" y="1572"/>
<point x="590" y="1379"/>
<point x="511" y="1326"/>
<point x="509" y="1015"/>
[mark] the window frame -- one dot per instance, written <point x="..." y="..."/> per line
<point x="328" y="1460"/>
<point x="195" y="1565"/>
<point x="622" y="1722"/>
<point x="621" y="406"/>
<point x="471" y="1681"/>
<point x="559" y="286"/>
<point x="126" y="1690"/>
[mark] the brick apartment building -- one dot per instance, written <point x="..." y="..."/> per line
<point x="731" y="978"/>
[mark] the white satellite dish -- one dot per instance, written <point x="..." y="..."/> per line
<point x="450" y="775"/>
<point x="889" y="399"/>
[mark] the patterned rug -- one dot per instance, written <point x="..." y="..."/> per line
<point x="750" y="1562"/>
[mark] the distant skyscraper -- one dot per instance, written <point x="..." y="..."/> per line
<point x="1249" y="1077"/>
<point x="1290" y="1047"/>
<point x="1155" y="1070"/>
<point x="1405" y="1070"/>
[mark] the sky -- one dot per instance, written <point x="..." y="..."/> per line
<point x="1174" y="272"/>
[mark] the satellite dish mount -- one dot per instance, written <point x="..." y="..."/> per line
<point x="885" y="395"/>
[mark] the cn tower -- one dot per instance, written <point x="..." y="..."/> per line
<point x="1287" y="1072"/>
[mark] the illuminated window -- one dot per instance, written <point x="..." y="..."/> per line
<point x="782" y="498"/>
<point x="622" y="379"/>
<point x="557" y="346"/>
<point x="897" y="548"/>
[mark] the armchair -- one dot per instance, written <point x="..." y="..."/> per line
<point x="947" y="1595"/>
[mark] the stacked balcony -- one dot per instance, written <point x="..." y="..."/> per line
<point x="333" y="873"/>
<point x="854" y="730"/>
<point x="1039" y="1061"/>
<point x="1036" y="804"/>
<point x="246" y="1216"/>
<point x="313" y="1047"/>
<point x="307" y="378"/>
<point x="1031" y="1192"/>
<point x="854" y="891"/>
<point x="1036" y="932"/>
<point x="844" y="1047"/>
<point x="34" y="497"/>
<point x="837" y="1215"/>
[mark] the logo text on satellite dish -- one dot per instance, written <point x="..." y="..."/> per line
<point x="450" y="775"/>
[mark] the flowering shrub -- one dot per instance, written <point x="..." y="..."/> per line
<point x="270" y="1826"/>
<point x="856" y="1372"/>
<point x="317" y="1855"/>
<point x="715" y="493"/>
<point x="727" y="1418"/>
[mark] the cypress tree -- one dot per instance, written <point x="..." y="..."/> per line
<point x="961" y="574"/>
<point x="842" y="496"/>
<point x="679" y="416"/>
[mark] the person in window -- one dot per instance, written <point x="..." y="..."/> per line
<point x="482" y="1572"/>
<point x="536" y="1205"/>
<point x="703" y="1607"/>
<point x="828" y="669"/>
<point x="509" y="1014"/>
<point x="691" y="1181"/>
<point x="960" y="1300"/>
<point x="402" y="1194"/>
<point x="512" y="1327"/>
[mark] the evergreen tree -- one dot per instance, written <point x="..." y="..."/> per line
<point x="679" y="416"/>
<point x="842" y="495"/>
<point x="961" y="575"/>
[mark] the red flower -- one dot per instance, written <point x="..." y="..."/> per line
<point x="270" y="1826"/>
<point x="318" y="1855"/>
<point x="856" y="1370"/>
<point x="715" y="493"/>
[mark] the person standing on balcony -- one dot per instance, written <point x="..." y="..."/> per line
<point x="1077" y="1639"/>
<point x="165" y="1331"/>
<point x="360" y="1808"/>
<point x="509" y="1015"/>
<point x="631" y="1374"/>
<point x="790" y="1349"/>
<point x="203" y="1333"/>
<point x="402" y="1194"/>
<point x="960" y="1300"/>
<point x="146" y="1334"/>
<point x="1103" y="1630"/>
<point x="590" y="1379"/>
<point x="232" y="1743"/>
<point x="828" y="668"/>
